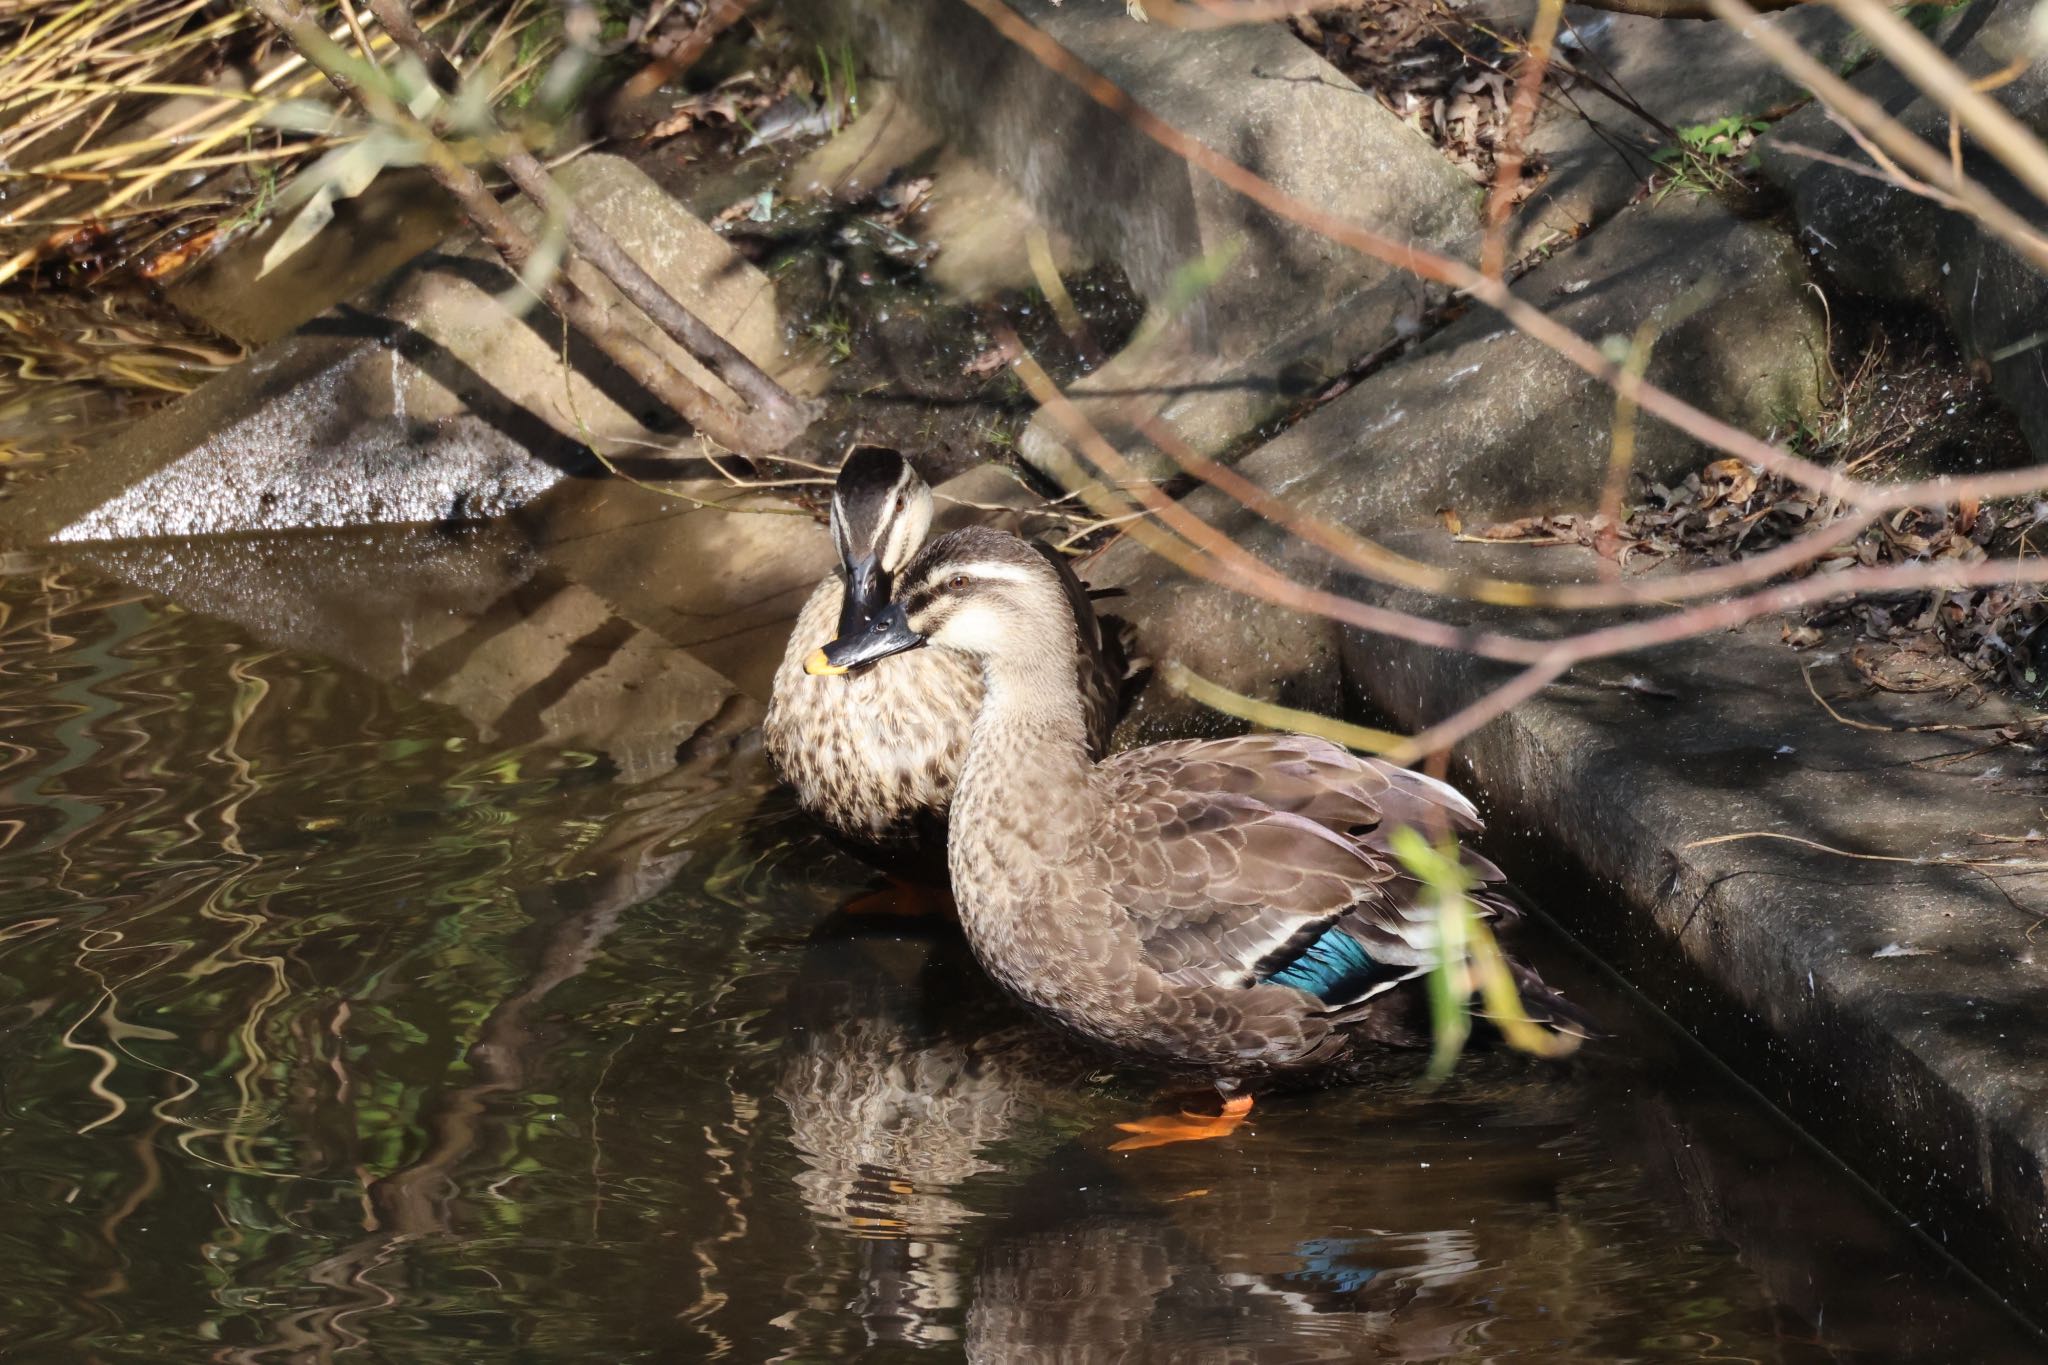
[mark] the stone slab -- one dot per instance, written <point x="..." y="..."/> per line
<point x="425" y="399"/>
<point x="475" y="620"/>
<point x="1485" y="421"/>
<point x="723" y="584"/>
<point x="402" y="214"/>
<point x="1599" y="134"/>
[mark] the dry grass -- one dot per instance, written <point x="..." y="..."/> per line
<point x="136" y="134"/>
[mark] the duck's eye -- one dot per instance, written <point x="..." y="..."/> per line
<point x="958" y="583"/>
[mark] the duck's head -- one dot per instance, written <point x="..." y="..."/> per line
<point x="979" y="591"/>
<point x="881" y="510"/>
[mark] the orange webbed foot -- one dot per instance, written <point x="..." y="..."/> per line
<point x="1185" y="1127"/>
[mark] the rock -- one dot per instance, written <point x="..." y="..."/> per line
<point x="1287" y="306"/>
<point x="1488" y="422"/>
<point x="723" y="584"/>
<point x="1897" y="1010"/>
<point x="1883" y="240"/>
<point x="425" y="399"/>
<point x="885" y="138"/>
<point x="979" y="223"/>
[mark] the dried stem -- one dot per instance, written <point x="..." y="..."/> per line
<point x="1500" y="199"/>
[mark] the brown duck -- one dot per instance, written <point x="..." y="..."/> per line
<point x="1229" y="907"/>
<point x="874" y="753"/>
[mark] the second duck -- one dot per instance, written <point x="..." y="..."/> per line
<point x="874" y="753"/>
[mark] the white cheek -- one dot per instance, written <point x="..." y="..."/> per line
<point x="900" y="548"/>
<point x="972" y="630"/>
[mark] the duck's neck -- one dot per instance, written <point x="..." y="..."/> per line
<point x="1026" y="778"/>
<point x="1023" y="842"/>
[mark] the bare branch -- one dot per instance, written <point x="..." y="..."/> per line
<point x="780" y="417"/>
<point x="1430" y="265"/>
<point x="1859" y="109"/>
<point x="1500" y="198"/>
<point x="1945" y="83"/>
<point x="564" y="293"/>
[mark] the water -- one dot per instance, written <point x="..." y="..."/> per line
<point x="332" y="1027"/>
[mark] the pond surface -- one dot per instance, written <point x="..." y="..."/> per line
<point x="332" y="1027"/>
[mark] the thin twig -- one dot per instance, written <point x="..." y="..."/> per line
<point x="1495" y="294"/>
<point x="1945" y="83"/>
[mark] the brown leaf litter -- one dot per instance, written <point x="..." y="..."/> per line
<point x="1442" y="74"/>
<point x="1947" y="641"/>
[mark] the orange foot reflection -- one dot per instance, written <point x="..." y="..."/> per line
<point x="903" y="898"/>
<point x="1185" y="1127"/>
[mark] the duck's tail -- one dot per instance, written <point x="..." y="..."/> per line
<point x="1548" y="1007"/>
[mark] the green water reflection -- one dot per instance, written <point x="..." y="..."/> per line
<point x="332" y="1030"/>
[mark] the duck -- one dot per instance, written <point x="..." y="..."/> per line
<point x="873" y="752"/>
<point x="1227" y="908"/>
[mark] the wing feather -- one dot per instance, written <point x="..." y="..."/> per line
<point x="1235" y="855"/>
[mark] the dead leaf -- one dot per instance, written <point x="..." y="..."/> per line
<point x="988" y="362"/>
<point x="1800" y="637"/>
<point x="1736" y="479"/>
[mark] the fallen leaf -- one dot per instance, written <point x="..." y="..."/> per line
<point x="1800" y="637"/>
<point x="988" y="362"/>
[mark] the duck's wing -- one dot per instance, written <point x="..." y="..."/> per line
<point x="1267" y="858"/>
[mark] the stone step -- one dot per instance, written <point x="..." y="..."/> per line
<point x="1289" y="306"/>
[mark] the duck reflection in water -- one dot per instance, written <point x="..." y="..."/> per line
<point x="901" y="1080"/>
<point x="937" y="1134"/>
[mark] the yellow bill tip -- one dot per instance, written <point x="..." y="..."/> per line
<point x="818" y="666"/>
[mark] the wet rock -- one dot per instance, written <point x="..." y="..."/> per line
<point x="425" y="399"/>
<point x="1897" y="1009"/>
<point x="724" y="581"/>
<point x="725" y="584"/>
<point x="1286" y="306"/>
<point x="1880" y="239"/>
<point x="1490" y="424"/>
